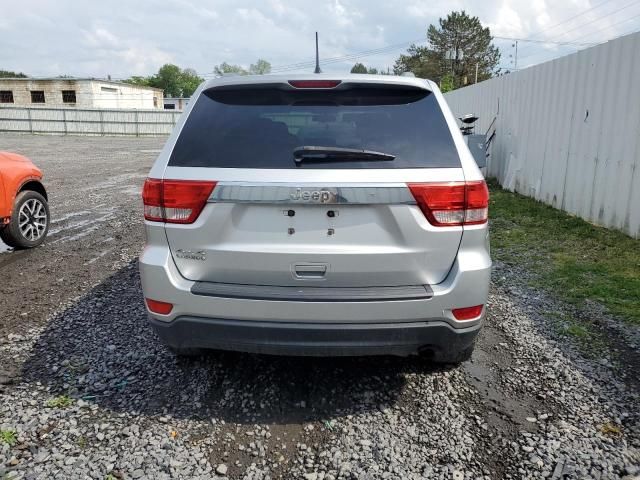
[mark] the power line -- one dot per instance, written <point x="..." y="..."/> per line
<point x="341" y="58"/>
<point x="635" y="2"/>
<point x="382" y="50"/>
<point x="595" y="31"/>
<point x="610" y="26"/>
<point x="587" y="23"/>
<point x="533" y="40"/>
<point x="584" y="12"/>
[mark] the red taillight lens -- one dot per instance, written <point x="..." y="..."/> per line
<point x="477" y="203"/>
<point x="175" y="201"/>
<point x="467" y="313"/>
<point x="163" y="308"/>
<point x="184" y="200"/>
<point x="452" y="203"/>
<point x="152" y="200"/>
<point x="314" y="83"/>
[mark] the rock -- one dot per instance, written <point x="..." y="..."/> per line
<point x="221" y="469"/>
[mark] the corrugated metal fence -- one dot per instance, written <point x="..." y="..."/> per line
<point x="87" y="121"/>
<point x="567" y="132"/>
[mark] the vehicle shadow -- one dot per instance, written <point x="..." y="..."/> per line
<point x="101" y="350"/>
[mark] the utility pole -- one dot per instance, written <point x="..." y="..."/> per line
<point x="476" y="73"/>
<point x="516" y="64"/>
<point x="317" y="70"/>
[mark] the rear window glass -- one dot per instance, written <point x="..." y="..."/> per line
<point x="261" y="128"/>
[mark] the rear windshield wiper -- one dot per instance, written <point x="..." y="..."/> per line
<point x="336" y="154"/>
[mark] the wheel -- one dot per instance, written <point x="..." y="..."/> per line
<point x="455" y="357"/>
<point x="29" y="221"/>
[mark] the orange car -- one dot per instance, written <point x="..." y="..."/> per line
<point x="24" y="212"/>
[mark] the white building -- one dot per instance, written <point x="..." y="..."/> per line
<point x="78" y="92"/>
<point x="177" y="103"/>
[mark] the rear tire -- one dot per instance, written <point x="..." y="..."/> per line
<point x="29" y="221"/>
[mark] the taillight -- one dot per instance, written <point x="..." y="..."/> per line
<point x="452" y="203"/>
<point x="152" y="200"/>
<point x="467" y="313"/>
<point x="477" y="203"/>
<point x="314" y="83"/>
<point x="156" y="306"/>
<point x="175" y="201"/>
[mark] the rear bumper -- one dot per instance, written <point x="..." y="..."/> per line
<point x="316" y="339"/>
<point x="273" y="320"/>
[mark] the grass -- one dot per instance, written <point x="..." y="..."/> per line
<point x="582" y="330"/>
<point x="9" y="437"/>
<point x="570" y="257"/>
<point x="62" y="401"/>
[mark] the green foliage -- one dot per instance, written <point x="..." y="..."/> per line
<point x="10" y="74"/>
<point x="172" y="79"/>
<point x="62" y="401"/>
<point x="573" y="259"/>
<point x="446" y="83"/>
<point x="261" y="67"/>
<point x="419" y="60"/>
<point x="138" y="80"/>
<point x="226" y="69"/>
<point x="455" y="47"/>
<point x="9" y="437"/>
<point x="361" y="68"/>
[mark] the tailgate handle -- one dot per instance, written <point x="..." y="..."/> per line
<point x="310" y="270"/>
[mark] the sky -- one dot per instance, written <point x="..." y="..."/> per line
<point x="121" y="38"/>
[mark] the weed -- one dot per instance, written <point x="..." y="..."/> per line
<point x="62" y="401"/>
<point x="9" y="437"/>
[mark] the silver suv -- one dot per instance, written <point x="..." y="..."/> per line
<point x="317" y="215"/>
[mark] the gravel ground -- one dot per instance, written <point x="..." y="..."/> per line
<point x="90" y="393"/>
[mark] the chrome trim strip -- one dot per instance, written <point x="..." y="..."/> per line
<point x="312" y="294"/>
<point x="310" y="193"/>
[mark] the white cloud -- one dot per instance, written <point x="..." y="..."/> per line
<point x="122" y="37"/>
<point x="101" y="38"/>
<point x="507" y="22"/>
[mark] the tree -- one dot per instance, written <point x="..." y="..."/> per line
<point x="361" y="68"/>
<point x="172" y="79"/>
<point x="190" y="81"/>
<point x="10" y="74"/>
<point x="261" y="67"/>
<point x="419" y="60"/>
<point x="455" y="47"/>
<point x="226" y="68"/>
<point x="138" y="80"/>
<point x="168" y="78"/>
<point x="446" y="83"/>
<point x="460" y="44"/>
